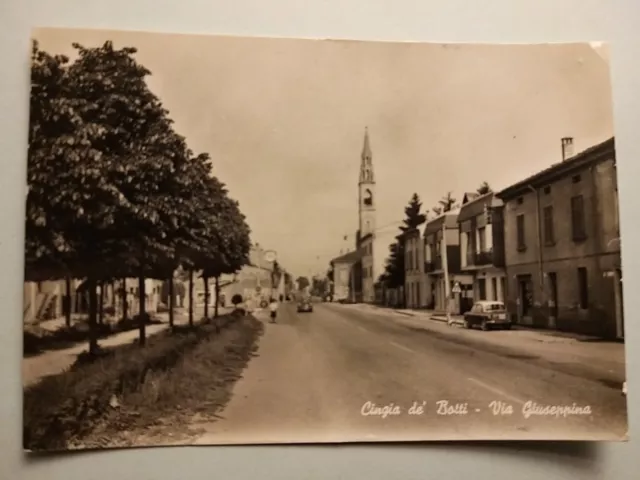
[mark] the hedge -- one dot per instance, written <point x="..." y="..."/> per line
<point x="68" y="405"/>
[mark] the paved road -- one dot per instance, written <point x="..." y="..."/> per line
<point x="322" y="377"/>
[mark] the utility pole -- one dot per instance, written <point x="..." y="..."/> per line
<point x="445" y="267"/>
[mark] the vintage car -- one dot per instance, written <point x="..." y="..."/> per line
<point x="487" y="314"/>
<point x="305" y="305"/>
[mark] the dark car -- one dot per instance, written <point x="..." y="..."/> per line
<point x="305" y="306"/>
<point x="487" y="314"/>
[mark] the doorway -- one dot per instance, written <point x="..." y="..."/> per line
<point x="525" y="297"/>
<point x="553" y="299"/>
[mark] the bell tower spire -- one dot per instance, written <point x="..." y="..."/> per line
<point x="366" y="165"/>
<point x="366" y="189"/>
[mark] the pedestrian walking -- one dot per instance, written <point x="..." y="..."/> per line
<point x="273" y="308"/>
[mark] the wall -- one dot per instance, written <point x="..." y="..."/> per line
<point x="368" y="270"/>
<point x="341" y="280"/>
<point x="598" y="253"/>
<point x="489" y="276"/>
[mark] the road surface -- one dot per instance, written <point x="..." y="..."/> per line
<point x="342" y="374"/>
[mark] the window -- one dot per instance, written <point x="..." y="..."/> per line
<point x="520" y="200"/>
<point x="577" y="218"/>
<point x="503" y="288"/>
<point x="482" y="239"/>
<point x="547" y="190"/>
<point x="494" y="288"/>
<point x="583" y="287"/>
<point x="549" y="235"/>
<point x="368" y="198"/>
<point x="576" y="179"/>
<point x="520" y="232"/>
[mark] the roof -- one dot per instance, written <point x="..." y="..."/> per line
<point x="365" y="237"/>
<point x="449" y="219"/>
<point x="560" y="170"/>
<point x="469" y="197"/>
<point x="477" y="205"/>
<point x="351" y="257"/>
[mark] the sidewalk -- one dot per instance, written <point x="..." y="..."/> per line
<point x="53" y="362"/>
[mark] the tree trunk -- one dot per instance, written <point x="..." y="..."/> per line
<point x="217" y="292"/>
<point x="124" y="300"/>
<point x="142" y="317"/>
<point x="113" y="297"/>
<point x="93" y="311"/>
<point x="67" y="302"/>
<point x="191" y="298"/>
<point x="101" y="305"/>
<point x="205" y="279"/>
<point x="171" y="301"/>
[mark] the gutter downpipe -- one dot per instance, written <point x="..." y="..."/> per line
<point x="540" y="252"/>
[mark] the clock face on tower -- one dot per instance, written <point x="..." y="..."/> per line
<point x="368" y="198"/>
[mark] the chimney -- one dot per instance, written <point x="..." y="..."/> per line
<point x="567" y="148"/>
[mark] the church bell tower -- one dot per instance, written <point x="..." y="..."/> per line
<point x="366" y="190"/>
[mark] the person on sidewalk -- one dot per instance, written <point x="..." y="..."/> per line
<point x="273" y="309"/>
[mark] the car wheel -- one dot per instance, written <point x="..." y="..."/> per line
<point x="507" y="326"/>
<point x="484" y="326"/>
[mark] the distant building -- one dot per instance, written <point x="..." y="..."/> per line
<point x="255" y="281"/>
<point x="440" y="233"/>
<point x="562" y="244"/>
<point x="482" y="248"/>
<point x="46" y="300"/>
<point x="415" y="278"/>
<point x="347" y="282"/>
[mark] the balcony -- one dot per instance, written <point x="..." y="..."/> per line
<point x="483" y="258"/>
<point x="433" y="265"/>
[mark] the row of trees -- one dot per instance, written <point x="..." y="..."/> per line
<point x="113" y="191"/>
<point x="393" y="275"/>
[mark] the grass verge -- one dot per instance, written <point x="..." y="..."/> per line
<point x="128" y="392"/>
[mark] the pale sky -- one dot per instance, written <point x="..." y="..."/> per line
<point x="284" y="119"/>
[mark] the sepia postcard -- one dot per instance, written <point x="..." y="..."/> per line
<point x="236" y="240"/>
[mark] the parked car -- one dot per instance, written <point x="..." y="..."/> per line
<point x="487" y="314"/>
<point x="305" y="305"/>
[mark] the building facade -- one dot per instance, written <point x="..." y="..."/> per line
<point x="442" y="252"/>
<point x="347" y="284"/>
<point x="47" y="300"/>
<point x="562" y="244"/>
<point x="482" y="249"/>
<point x="415" y="277"/>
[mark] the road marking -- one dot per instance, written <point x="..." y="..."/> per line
<point x="401" y="347"/>
<point x="497" y="391"/>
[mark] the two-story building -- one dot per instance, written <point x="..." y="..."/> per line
<point x="482" y="248"/>
<point x="347" y="281"/>
<point x="562" y="244"/>
<point x="442" y="259"/>
<point x="415" y="278"/>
